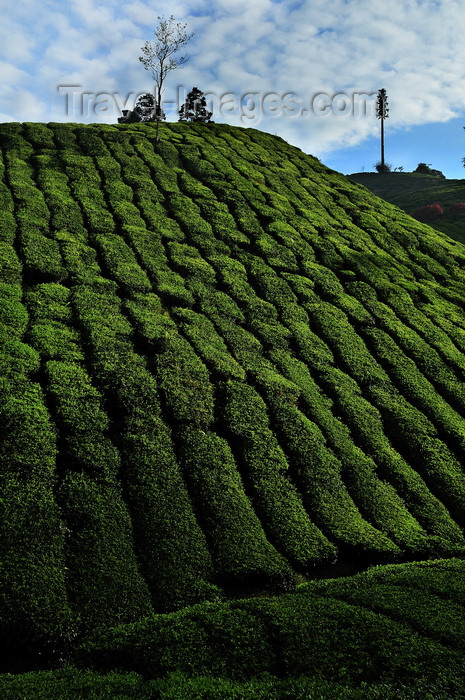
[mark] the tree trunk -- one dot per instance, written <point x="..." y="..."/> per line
<point x="158" y="113"/>
<point x="382" y="143"/>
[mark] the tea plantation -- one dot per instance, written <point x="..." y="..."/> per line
<point x="411" y="191"/>
<point x="229" y="375"/>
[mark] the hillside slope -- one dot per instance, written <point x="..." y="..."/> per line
<point x="410" y="191"/>
<point x="222" y="365"/>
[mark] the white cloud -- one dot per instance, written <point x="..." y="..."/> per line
<point x="413" y="48"/>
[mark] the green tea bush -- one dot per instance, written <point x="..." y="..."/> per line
<point x="303" y="287"/>
<point x="239" y="547"/>
<point x="312" y="348"/>
<point x="227" y="362"/>
<point x="14" y="142"/>
<point x="247" y="220"/>
<point x="245" y="347"/>
<point x="79" y="260"/>
<point x="223" y="224"/>
<point x="386" y="649"/>
<point x="276" y="290"/>
<point x="29" y="447"/>
<point x="209" y="344"/>
<point x="159" y="222"/>
<point x="49" y="301"/>
<point x="144" y="310"/>
<point x="184" y="382"/>
<point x="277" y="255"/>
<point x="187" y="260"/>
<point x="148" y="247"/>
<point x="429" y="614"/>
<point x="271" y="333"/>
<point x="35" y="618"/>
<point x="367" y="424"/>
<point x="419" y="321"/>
<point x="193" y="188"/>
<point x="7" y="227"/>
<point x="170" y="286"/>
<point x="293" y="635"/>
<point x="333" y="325"/>
<point x="55" y="341"/>
<point x="13" y="314"/>
<point x="16" y="358"/>
<point x="103" y="581"/>
<point x="198" y="640"/>
<point x="65" y="213"/>
<point x="69" y="682"/>
<point x="318" y="473"/>
<point x="98" y="219"/>
<point x="41" y="255"/>
<point x="112" y="172"/>
<point x="215" y="304"/>
<point x="265" y="472"/>
<point x="90" y="141"/>
<point x="127" y="214"/>
<point x="78" y="402"/>
<point x="288" y="235"/>
<point x="63" y="135"/>
<point x="171" y="547"/>
<point x="28" y="198"/>
<point x="439" y="577"/>
<point x="99" y="306"/>
<point x="39" y="135"/>
<point x="377" y="500"/>
<point x="416" y="387"/>
<point x="122" y="264"/>
<point x="163" y="174"/>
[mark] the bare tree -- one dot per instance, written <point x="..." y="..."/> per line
<point x="160" y="56"/>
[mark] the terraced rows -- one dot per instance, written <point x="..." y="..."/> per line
<point x="392" y="632"/>
<point x="395" y="631"/>
<point x="223" y="364"/>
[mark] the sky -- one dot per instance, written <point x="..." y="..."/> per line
<point x="307" y="70"/>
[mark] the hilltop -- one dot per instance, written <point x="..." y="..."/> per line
<point x="410" y="191"/>
<point x="226" y="370"/>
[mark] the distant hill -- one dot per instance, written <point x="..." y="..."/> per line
<point x="410" y="191"/>
<point x="226" y="370"/>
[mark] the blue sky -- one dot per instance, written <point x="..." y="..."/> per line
<point x="303" y="70"/>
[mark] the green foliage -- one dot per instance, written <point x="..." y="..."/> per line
<point x="70" y="683"/>
<point x="184" y="381"/>
<point x="121" y="263"/>
<point x="104" y="584"/>
<point x="55" y="341"/>
<point x="170" y="544"/>
<point x="10" y="264"/>
<point x="318" y="473"/>
<point x="41" y="256"/>
<point x="209" y="344"/>
<point x="265" y="472"/>
<point x="229" y="366"/>
<point x="35" y="617"/>
<point x="28" y="446"/>
<point x="239" y="547"/>
<point x="188" y="261"/>
<point x="78" y="402"/>
<point x="13" y="314"/>
<point x="316" y="634"/>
